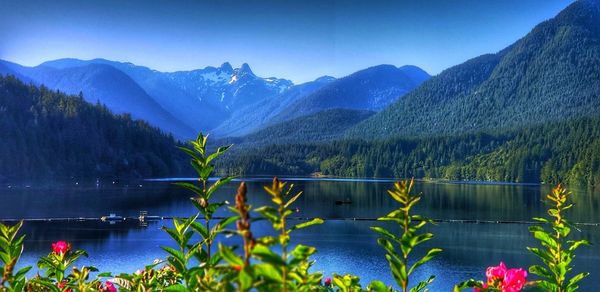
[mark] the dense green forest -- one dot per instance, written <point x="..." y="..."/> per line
<point x="47" y="134"/>
<point x="551" y="153"/>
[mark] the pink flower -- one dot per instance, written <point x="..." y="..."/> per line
<point x="60" y="247"/>
<point x="327" y="281"/>
<point x="110" y="287"/>
<point x="514" y="280"/>
<point x="495" y="274"/>
<point x="505" y="280"/>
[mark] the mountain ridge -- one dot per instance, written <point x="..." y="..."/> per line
<point x="371" y="89"/>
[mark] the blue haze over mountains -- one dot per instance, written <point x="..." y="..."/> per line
<point x="223" y="101"/>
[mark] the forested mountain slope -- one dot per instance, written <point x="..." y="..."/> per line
<point x="47" y="134"/>
<point x="559" y="152"/>
<point x="324" y="126"/>
<point x="551" y="74"/>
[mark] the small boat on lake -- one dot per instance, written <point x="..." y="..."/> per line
<point x="111" y="217"/>
<point x="144" y="217"/>
<point x="343" y="202"/>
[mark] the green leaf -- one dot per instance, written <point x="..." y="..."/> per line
<point x="545" y="238"/>
<point x="267" y="271"/>
<point x="291" y="201"/>
<point x="468" y="284"/>
<point x="303" y="251"/>
<point x="176" y="254"/>
<point x="542" y="254"/>
<point x="269" y="213"/>
<point x="576" y="244"/>
<point x="414" y="241"/>
<point x="337" y="281"/>
<point x="176" y="288"/>
<point x="229" y="256"/>
<point x="378" y="286"/>
<point x="192" y="187"/>
<point x="220" y="151"/>
<point x="387" y="245"/>
<point x="398" y="270"/>
<point x="219" y="227"/>
<point x="573" y="282"/>
<point x="264" y="254"/>
<point x="189" y="152"/>
<point x="308" y="223"/>
<point x="542" y="272"/>
<point x="423" y="284"/>
<point x="214" y="187"/>
<point x="200" y="229"/>
<point x="245" y="279"/>
<point x="385" y="233"/>
<point x="430" y="254"/>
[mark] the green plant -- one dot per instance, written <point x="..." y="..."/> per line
<point x="285" y="271"/>
<point x="557" y="251"/>
<point x="203" y="275"/>
<point x="410" y="238"/>
<point x="11" y="248"/>
<point x="148" y="279"/>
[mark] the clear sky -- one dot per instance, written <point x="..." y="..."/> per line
<point x="298" y="40"/>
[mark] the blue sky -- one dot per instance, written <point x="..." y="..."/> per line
<point x="298" y="40"/>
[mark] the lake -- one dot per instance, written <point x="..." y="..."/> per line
<point x="344" y="246"/>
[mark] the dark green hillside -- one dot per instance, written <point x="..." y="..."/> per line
<point x="556" y="152"/>
<point x="326" y="125"/>
<point x="551" y="74"/>
<point x="47" y="134"/>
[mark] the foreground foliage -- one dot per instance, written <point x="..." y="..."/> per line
<point x="557" y="251"/>
<point x="410" y="238"/>
<point x="198" y="260"/>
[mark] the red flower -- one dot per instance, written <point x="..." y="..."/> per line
<point x="110" y="287"/>
<point x="61" y="247"/>
<point x="62" y="285"/>
<point x="327" y="281"/>
<point x="237" y="268"/>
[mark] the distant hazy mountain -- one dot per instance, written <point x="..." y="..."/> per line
<point x="107" y="85"/>
<point x="255" y="116"/>
<point x="551" y="74"/>
<point x="222" y="100"/>
<point x="202" y="98"/>
<point x="369" y="89"/>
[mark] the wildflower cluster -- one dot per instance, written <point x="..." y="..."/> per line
<point x="499" y="278"/>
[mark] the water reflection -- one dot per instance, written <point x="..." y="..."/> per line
<point x="344" y="246"/>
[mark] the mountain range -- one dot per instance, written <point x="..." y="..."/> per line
<point x="222" y="100"/>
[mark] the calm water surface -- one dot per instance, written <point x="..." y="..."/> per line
<point x="344" y="246"/>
